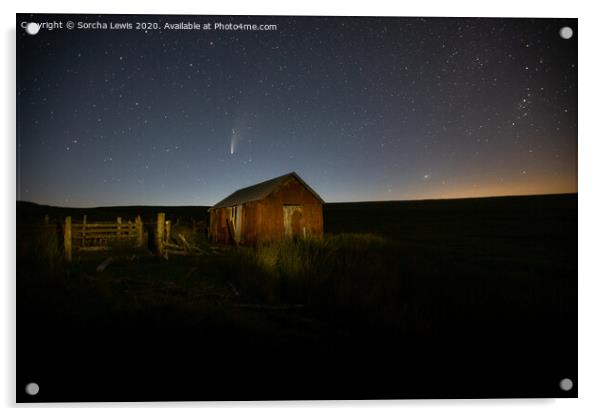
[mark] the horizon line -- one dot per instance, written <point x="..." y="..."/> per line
<point x="326" y="202"/>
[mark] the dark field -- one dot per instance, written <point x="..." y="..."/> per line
<point x="424" y="299"/>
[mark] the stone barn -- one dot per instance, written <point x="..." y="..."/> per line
<point x="278" y="208"/>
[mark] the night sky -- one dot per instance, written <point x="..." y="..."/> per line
<point x="361" y="108"/>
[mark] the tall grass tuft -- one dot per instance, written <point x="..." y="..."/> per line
<point x="46" y="249"/>
<point x="40" y="261"/>
<point x="342" y="276"/>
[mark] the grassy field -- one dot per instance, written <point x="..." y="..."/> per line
<point x="407" y="285"/>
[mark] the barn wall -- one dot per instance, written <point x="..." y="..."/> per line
<point x="249" y="225"/>
<point x="218" y="231"/>
<point x="270" y="219"/>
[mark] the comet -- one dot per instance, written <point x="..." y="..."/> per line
<point x="233" y="140"/>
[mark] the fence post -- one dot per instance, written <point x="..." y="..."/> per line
<point x="84" y="231"/>
<point x="118" y="227"/>
<point x="159" y="233"/>
<point x="67" y="235"/>
<point x="167" y="238"/>
<point x="139" y="230"/>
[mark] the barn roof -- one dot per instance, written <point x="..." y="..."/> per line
<point x="260" y="191"/>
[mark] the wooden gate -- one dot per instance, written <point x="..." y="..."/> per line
<point x="87" y="236"/>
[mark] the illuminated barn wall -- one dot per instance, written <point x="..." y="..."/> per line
<point x="281" y="207"/>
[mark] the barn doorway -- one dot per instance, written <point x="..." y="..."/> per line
<point x="293" y="221"/>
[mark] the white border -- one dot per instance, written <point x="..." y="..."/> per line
<point x="590" y="277"/>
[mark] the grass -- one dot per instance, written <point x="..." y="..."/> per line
<point x="358" y="277"/>
<point x="426" y="267"/>
<point x="458" y="292"/>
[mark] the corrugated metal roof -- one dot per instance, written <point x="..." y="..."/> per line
<point x="260" y="191"/>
